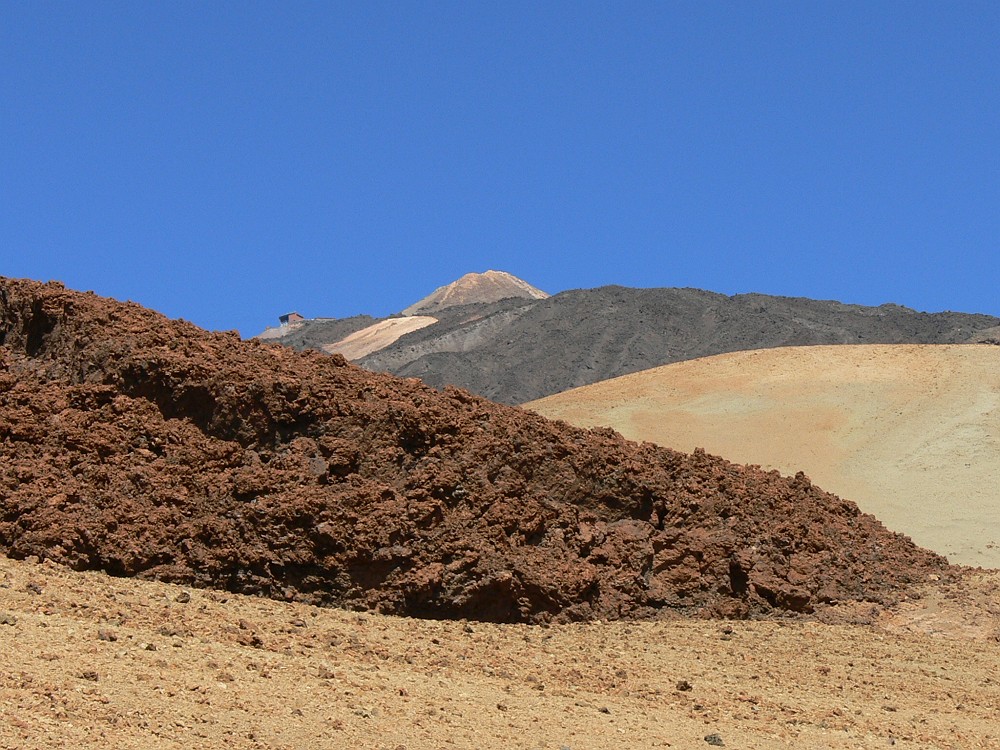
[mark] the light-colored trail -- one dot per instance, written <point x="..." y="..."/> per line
<point x="378" y="336"/>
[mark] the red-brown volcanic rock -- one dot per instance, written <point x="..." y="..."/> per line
<point x="148" y="447"/>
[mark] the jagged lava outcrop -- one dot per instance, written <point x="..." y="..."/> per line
<point x="148" y="447"/>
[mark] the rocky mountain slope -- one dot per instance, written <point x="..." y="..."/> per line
<point x="517" y="350"/>
<point x="147" y="447"/>
<point x="909" y="432"/>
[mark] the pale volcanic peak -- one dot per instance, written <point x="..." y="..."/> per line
<point x="491" y="286"/>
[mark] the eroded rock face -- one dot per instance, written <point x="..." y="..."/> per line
<point x="148" y="447"/>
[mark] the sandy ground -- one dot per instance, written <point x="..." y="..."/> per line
<point x="910" y="433"/>
<point x="95" y="662"/>
<point x="378" y="336"/>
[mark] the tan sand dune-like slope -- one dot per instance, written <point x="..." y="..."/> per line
<point x="910" y="433"/>
<point x="378" y="336"/>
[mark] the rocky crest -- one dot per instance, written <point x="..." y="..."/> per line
<point x="148" y="447"/>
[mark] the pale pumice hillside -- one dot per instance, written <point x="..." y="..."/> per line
<point x="910" y="433"/>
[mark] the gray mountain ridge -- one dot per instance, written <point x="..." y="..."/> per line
<point x="519" y="349"/>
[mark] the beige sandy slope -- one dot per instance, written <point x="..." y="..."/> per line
<point x="910" y="433"/>
<point x="93" y="662"/>
<point x="378" y="336"/>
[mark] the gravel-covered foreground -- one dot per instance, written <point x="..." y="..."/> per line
<point x="93" y="662"/>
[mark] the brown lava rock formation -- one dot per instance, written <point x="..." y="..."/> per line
<point x="149" y="447"/>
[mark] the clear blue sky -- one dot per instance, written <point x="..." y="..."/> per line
<point x="225" y="162"/>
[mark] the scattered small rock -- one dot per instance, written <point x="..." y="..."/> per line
<point x="90" y="675"/>
<point x="298" y="622"/>
<point x="183" y="598"/>
<point x="604" y="710"/>
<point x="33" y="587"/>
<point x="7" y="619"/>
<point x="714" y="739"/>
<point x="105" y="634"/>
<point x="250" y="639"/>
<point x="683" y="686"/>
